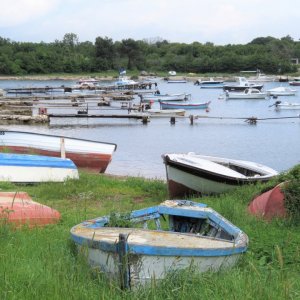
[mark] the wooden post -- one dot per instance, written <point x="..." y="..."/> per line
<point x="145" y="120"/>
<point x="191" y="119"/>
<point x="172" y="120"/>
<point x="122" y="249"/>
<point x="62" y="148"/>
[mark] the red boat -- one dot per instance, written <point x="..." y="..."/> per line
<point x="269" y="204"/>
<point x="19" y="209"/>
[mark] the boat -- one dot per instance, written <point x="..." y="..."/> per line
<point x="269" y="204"/>
<point x="18" y="209"/>
<point x="242" y="85"/>
<point x="88" y="81"/>
<point x="167" y="105"/>
<point x="261" y="77"/>
<point x="187" y="235"/>
<point x="177" y="81"/>
<point x="124" y="80"/>
<point x="172" y="73"/>
<point x="286" y="105"/>
<point x="204" y="175"/>
<point x="282" y="91"/>
<point x="26" y="168"/>
<point x="294" y="83"/>
<point x="87" y="154"/>
<point x="163" y="97"/>
<point x="166" y="112"/>
<point x="249" y="93"/>
<point x="211" y="83"/>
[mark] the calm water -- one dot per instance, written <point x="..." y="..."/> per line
<point x="275" y="142"/>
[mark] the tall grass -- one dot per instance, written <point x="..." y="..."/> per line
<point x="42" y="263"/>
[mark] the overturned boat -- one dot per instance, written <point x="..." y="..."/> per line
<point x="199" y="174"/>
<point x="187" y="234"/>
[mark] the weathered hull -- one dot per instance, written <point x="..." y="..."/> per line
<point x="91" y="155"/>
<point x="35" y="168"/>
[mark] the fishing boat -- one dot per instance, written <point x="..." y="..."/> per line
<point x="241" y="85"/>
<point x="25" y="168"/>
<point x="204" y="175"/>
<point x="282" y="91"/>
<point x="210" y="84"/>
<point x="87" y="154"/>
<point x="18" y="209"/>
<point x="167" y="105"/>
<point x="187" y="234"/>
<point x="163" y="97"/>
<point x="286" y="105"/>
<point x="249" y="93"/>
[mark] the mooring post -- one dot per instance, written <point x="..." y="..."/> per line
<point x="145" y="120"/>
<point x="122" y="249"/>
<point x="191" y="119"/>
<point x="172" y="120"/>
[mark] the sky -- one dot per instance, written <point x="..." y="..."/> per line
<point x="185" y="21"/>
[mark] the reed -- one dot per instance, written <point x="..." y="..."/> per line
<point x="43" y="263"/>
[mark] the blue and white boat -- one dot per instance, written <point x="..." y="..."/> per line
<point x="210" y="84"/>
<point x="25" y="168"/>
<point x="187" y="234"/>
<point x="167" y="105"/>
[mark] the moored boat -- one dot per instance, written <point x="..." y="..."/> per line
<point x="211" y="83"/>
<point x="25" y="168"/>
<point x="199" y="174"/>
<point x="250" y="93"/>
<point x="241" y="85"/>
<point x="166" y="112"/>
<point x="87" y="154"/>
<point x="286" y="105"/>
<point x="167" y="105"/>
<point x="191" y="235"/>
<point x="282" y="91"/>
<point x="163" y="97"/>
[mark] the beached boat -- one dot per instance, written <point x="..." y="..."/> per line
<point x="210" y="84"/>
<point x="286" y="105"/>
<point x="282" y="91"/>
<point x="270" y="204"/>
<point x="167" y="105"/>
<point x="241" y="85"/>
<point x="18" y="209"/>
<point x="249" y="93"/>
<point x="91" y="155"/>
<point x="199" y="174"/>
<point x="163" y="97"/>
<point x="25" y="168"/>
<point x="187" y="235"/>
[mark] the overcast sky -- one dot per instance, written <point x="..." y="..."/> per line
<point x="218" y="21"/>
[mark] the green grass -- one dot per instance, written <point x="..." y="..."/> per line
<point x="42" y="263"/>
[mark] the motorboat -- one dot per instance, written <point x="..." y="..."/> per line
<point x="146" y="245"/>
<point x="249" y="93"/>
<point x="286" y="105"/>
<point x="261" y="77"/>
<point x="211" y="83"/>
<point x="86" y="154"/>
<point x="204" y="175"/>
<point x="25" y="168"/>
<point x="241" y="85"/>
<point x="124" y="80"/>
<point x="282" y="91"/>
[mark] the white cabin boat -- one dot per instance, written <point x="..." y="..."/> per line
<point x="282" y="91"/>
<point x="249" y="93"/>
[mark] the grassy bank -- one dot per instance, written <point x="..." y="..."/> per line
<point x="43" y="263"/>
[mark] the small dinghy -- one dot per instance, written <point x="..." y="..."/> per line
<point x="25" y="168"/>
<point x="187" y="234"/>
<point x="269" y="204"/>
<point x="18" y="209"/>
<point x="200" y="174"/>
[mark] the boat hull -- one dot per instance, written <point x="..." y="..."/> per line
<point x="22" y="168"/>
<point x="90" y="155"/>
<point x="166" y="105"/>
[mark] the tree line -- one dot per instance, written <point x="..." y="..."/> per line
<point x="269" y="54"/>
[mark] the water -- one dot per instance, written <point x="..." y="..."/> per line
<point x="275" y="143"/>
